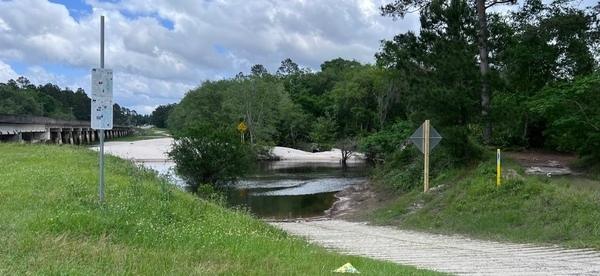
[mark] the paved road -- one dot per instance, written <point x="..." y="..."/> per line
<point x="453" y="254"/>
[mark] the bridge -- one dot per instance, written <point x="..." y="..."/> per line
<point x="35" y="129"/>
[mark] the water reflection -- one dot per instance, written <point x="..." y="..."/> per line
<point x="287" y="189"/>
<point x="288" y="206"/>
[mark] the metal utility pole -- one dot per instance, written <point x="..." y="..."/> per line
<point x="102" y="130"/>
<point x="101" y="113"/>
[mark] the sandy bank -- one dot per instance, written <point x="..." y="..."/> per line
<point x="334" y="155"/>
<point x="156" y="150"/>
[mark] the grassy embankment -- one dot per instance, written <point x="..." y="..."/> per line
<point x="523" y="208"/>
<point x="52" y="223"/>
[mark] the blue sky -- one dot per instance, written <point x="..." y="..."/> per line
<point x="159" y="50"/>
<point x="77" y="8"/>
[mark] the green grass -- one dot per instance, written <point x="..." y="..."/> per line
<point x="529" y="209"/>
<point x="154" y="131"/>
<point x="139" y="134"/>
<point x="51" y="223"/>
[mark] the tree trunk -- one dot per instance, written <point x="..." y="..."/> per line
<point x="484" y="67"/>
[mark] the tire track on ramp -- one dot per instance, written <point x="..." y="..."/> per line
<point x="453" y="254"/>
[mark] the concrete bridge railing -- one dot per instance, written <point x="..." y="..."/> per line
<point x="34" y="129"/>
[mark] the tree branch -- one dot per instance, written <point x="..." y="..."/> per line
<point x="498" y="2"/>
<point x="586" y="117"/>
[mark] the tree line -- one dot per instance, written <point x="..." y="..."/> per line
<point x="527" y="78"/>
<point x="49" y="100"/>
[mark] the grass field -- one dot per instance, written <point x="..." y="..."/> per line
<point x="51" y="223"/>
<point x="524" y="208"/>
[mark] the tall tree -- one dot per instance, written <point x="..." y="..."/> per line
<point x="354" y="102"/>
<point x="161" y="114"/>
<point x="288" y="67"/>
<point x="24" y="82"/>
<point x="400" y="60"/>
<point x="258" y="70"/>
<point x="208" y="103"/>
<point x="399" y="8"/>
<point x="441" y="67"/>
<point x="256" y="99"/>
<point x="484" y="65"/>
<point x="542" y="44"/>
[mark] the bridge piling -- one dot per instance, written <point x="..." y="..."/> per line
<point x="33" y="129"/>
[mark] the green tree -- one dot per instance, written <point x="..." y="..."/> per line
<point x="347" y="147"/>
<point x="294" y="124"/>
<point x="323" y="132"/>
<point x="354" y="102"/>
<point x="541" y="45"/>
<point x="441" y="67"/>
<point x="573" y="114"/>
<point x="386" y="142"/>
<point x="29" y="101"/>
<point x="81" y="105"/>
<point x="256" y="98"/>
<point x="389" y="84"/>
<point x="208" y="104"/>
<point x="399" y="8"/>
<point x="161" y="114"/>
<point x="50" y="100"/>
<point x="288" y="68"/>
<point x="205" y="155"/>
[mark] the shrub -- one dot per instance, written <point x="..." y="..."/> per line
<point x="204" y="155"/>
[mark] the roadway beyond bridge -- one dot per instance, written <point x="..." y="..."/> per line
<point x="35" y="129"/>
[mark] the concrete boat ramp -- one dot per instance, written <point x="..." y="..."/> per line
<point x="452" y="254"/>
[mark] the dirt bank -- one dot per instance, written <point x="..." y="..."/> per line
<point x="354" y="198"/>
<point x="544" y="163"/>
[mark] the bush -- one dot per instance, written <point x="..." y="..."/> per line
<point x="383" y="144"/>
<point x="459" y="146"/>
<point x="204" y="155"/>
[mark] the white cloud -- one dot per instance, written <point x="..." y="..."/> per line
<point x="39" y="75"/>
<point x="209" y="40"/>
<point x="6" y="72"/>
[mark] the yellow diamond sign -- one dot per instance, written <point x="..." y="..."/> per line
<point x="242" y="127"/>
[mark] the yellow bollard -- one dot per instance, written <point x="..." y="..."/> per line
<point x="499" y="174"/>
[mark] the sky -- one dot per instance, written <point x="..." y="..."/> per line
<point x="159" y="50"/>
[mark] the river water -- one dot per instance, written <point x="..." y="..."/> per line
<point x="289" y="189"/>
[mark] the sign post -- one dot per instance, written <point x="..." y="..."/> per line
<point x="426" y="157"/>
<point x="426" y="138"/>
<point x="102" y="107"/>
<point x="242" y="129"/>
